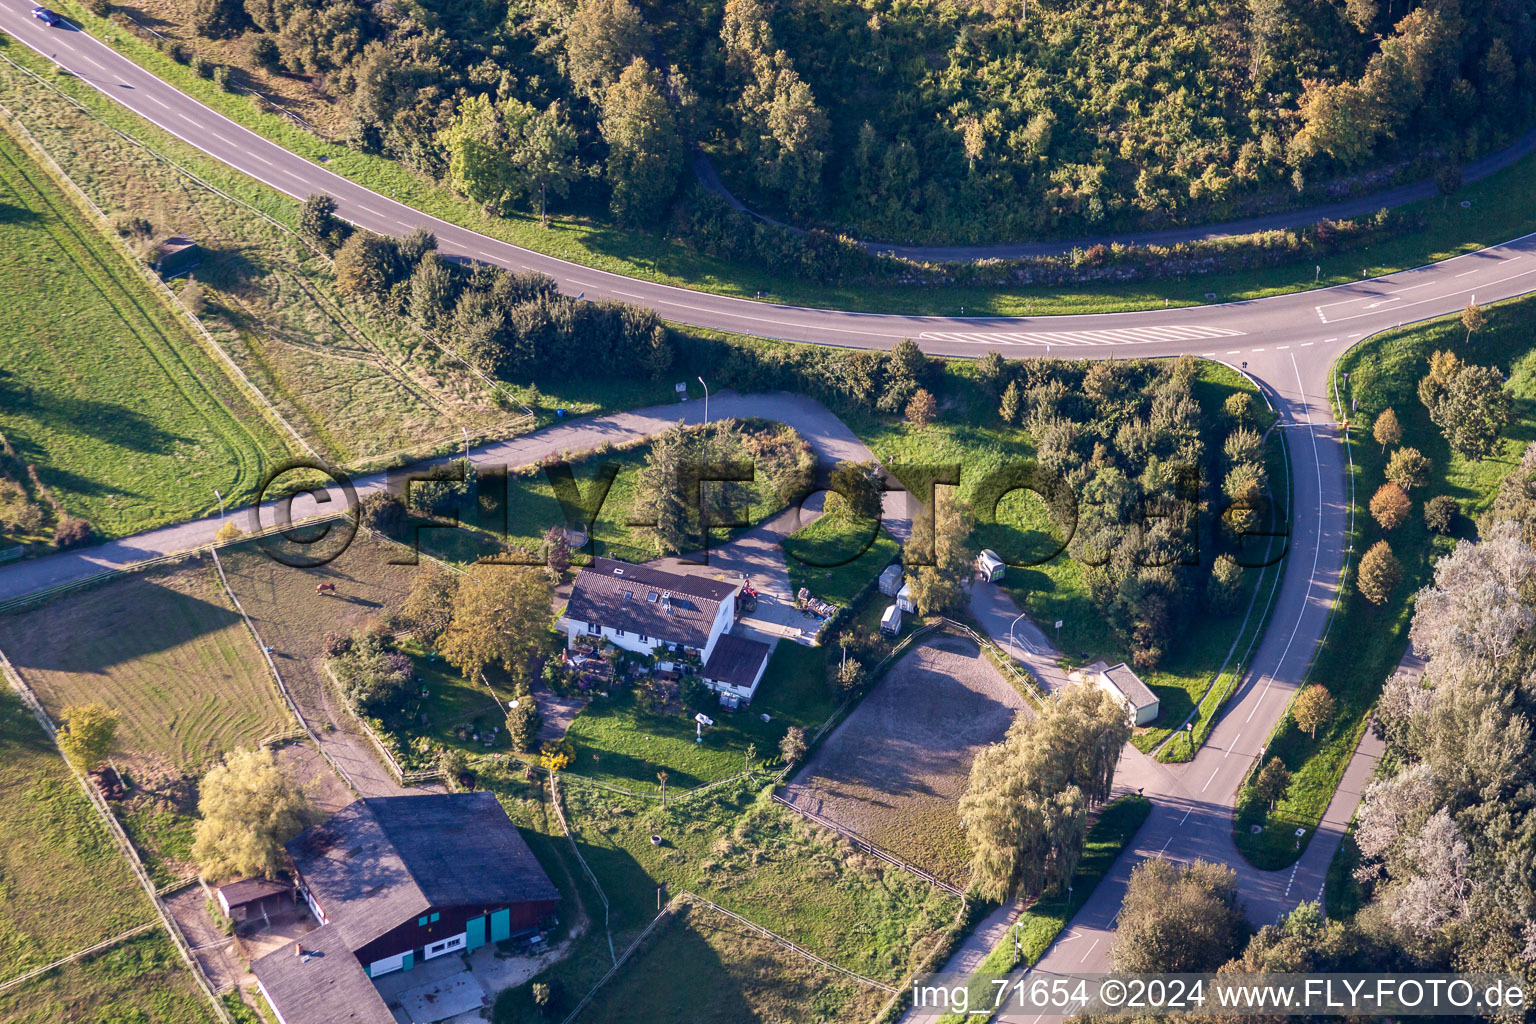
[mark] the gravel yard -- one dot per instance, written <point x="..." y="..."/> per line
<point x="894" y="771"/>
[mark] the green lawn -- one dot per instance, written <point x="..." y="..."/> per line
<point x="1038" y="926"/>
<point x="1365" y="642"/>
<point x="621" y="744"/>
<point x="836" y="557"/>
<point x="701" y="967"/>
<point x="1498" y="213"/>
<point x="63" y="882"/>
<point x="130" y="424"/>
<point x="736" y="847"/>
<point x="141" y="980"/>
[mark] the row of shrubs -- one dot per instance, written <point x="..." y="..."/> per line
<point x="707" y="223"/>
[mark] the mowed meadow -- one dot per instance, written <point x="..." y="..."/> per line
<point x="128" y="422"/>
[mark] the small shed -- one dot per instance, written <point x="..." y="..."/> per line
<point x="890" y="622"/>
<point x="177" y="255"/>
<point x="255" y="898"/>
<point x="990" y="567"/>
<point x="890" y="580"/>
<point x="1121" y="682"/>
<point x="904" y="598"/>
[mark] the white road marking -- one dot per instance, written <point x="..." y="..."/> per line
<point x="158" y="100"/>
<point x="1383" y="302"/>
<point x="1210" y="780"/>
<point x="1073" y="339"/>
<point x="1090" y="950"/>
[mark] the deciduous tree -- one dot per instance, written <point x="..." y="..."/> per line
<point x="1380" y="573"/>
<point x="1178" y="918"/>
<point x="248" y="810"/>
<point x="1390" y="506"/>
<point x="87" y="733"/>
<point x="921" y="408"/>
<point x="1312" y="708"/>
<point x="1273" y="780"/>
<point x="429" y="605"/>
<point x="645" y="151"/>
<point x="1408" y="468"/>
<point x="1386" y="430"/>
<point x="603" y="38"/>
<point x="500" y="614"/>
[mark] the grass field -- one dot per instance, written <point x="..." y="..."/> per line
<point x="354" y="383"/>
<point x="139" y="981"/>
<point x="128" y="421"/>
<point x="894" y="770"/>
<point x="700" y="966"/>
<point x="1496" y="214"/>
<point x="1364" y="641"/>
<point x="63" y="883"/>
<point x="167" y="651"/>
<point x="763" y="861"/>
<point x="621" y="744"/>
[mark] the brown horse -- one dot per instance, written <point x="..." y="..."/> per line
<point x="325" y="588"/>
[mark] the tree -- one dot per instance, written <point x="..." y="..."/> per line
<point x="921" y="409"/>
<point x="383" y="512"/>
<point x="1473" y="319"/>
<point x="87" y="733"/>
<point x="1313" y="707"/>
<point x="1178" y="919"/>
<point x="1272" y="782"/>
<point x="645" y="150"/>
<point x="248" y="809"/>
<point x="1390" y="506"/>
<point x="603" y="38"/>
<point x="1386" y="430"/>
<point x="857" y="486"/>
<point x="503" y="152"/>
<point x="1239" y="408"/>
<point x="946" y="542"/>
<point x="1440" y="513"/>
<point x="318" y="223"/>
<point x="1009" y="409"/>
<point x="850" y="675"/>
<point x="557" y="551"/>
<point x="218" y="19"/>
<point x="523" y="723"/>
<point x="429" y="605"/>
<point x="367" y="265"/>
<point x="1476" y="409"/>
<point x="1025" y="810"/>
<point x="1224" y="591"/>
<point x="1408" y="468"/>
<point x="433" y="294"/>
<point x="72" y="531"/>
<point x="792" y="745"/>
<point x="500" y="614"/>
<point x="992" y="374"/>
<point x="1380" y="573"/>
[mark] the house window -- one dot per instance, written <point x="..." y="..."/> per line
<point x="644" y="638"/>
<point x="618" y="632"/>
<point x="593" y="627"/>
<point x="434" y="918"/>
<point x="445" y="946"/>
<point x="421" y="922"/>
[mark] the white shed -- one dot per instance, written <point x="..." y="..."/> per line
<point x="904" y="598"/>
<point x="890" y="580"/>
<point x="890" y="622"/>
<point x="1122" y="683"/>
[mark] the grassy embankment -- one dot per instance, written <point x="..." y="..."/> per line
<point x="1498" y="213"/>
<point x="129" y="423"/>
<point x="1364" y="641"/>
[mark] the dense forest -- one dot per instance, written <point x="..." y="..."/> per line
<point x="1000" y="120"/>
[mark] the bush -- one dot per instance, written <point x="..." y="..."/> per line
<point x="72" y="532"/>
<point x="264" y="51"/>
<point x="523" y="724"/>
<point x="1440" y="513"/>
<point x="221" y="78"/>
<point x="100" y="8"/>
<point x="202" y="66"/>
<point x="1380" y="573"/>
<point x="373" y="678"/>
<point x="334" y="645"/>
<point x="1390" y="506"/>
<point x="383" y="512"/>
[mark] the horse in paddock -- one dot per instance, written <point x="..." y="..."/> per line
<point x="325" y="588"/>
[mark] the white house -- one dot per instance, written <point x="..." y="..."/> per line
<point x="1121" y="682"/>
<point x="638" y="608"/>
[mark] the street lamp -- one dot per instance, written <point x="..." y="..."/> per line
<point x="216" y="494"/>
<point x="1011" y="638"/>
<point x="706" y="401"/>
<point x="466" y="446"/>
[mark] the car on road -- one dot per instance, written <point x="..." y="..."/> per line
<point x="46" y="16"/>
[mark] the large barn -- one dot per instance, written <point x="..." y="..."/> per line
<point x="394" y="882"/>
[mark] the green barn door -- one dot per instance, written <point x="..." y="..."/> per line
<point x="408" y="960"/>
<point x="501" y="925"/>
<point x="474" y="933"/>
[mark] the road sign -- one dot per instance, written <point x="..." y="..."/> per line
<point x="1059" y="622"/>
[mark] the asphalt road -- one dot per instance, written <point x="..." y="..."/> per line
<point x="1288" y="343"/>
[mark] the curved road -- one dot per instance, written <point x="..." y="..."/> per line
<point x="1288" y="343"/>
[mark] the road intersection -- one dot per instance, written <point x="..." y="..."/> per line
<point x="1287" y="343"/>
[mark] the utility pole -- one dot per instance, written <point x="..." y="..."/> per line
<point x="661" y="776"/>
